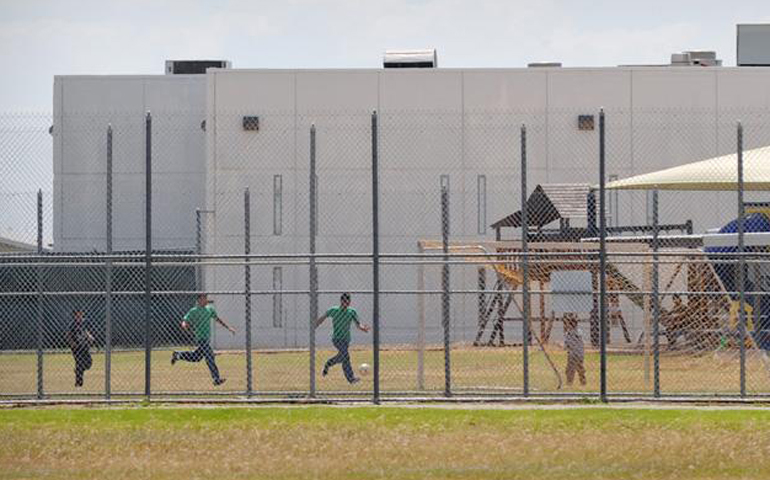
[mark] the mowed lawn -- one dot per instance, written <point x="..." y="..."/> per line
<point x="473" y="370"/>
<point x="386" y="442"/>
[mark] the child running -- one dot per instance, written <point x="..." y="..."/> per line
<point x="342" y="316"/>
<point x="80" y="340"/>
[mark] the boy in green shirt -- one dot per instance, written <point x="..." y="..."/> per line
<point x="199" y="318"/>
<point x="342" y="316"/>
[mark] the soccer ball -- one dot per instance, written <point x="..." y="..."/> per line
<point x="364" y="369"/>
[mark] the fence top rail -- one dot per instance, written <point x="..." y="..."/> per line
<point x="647" y="259"/>
<point x="95" y="258"/>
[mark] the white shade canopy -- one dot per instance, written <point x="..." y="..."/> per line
<point x="718" y="173"/>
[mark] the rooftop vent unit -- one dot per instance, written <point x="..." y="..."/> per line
<point x="193" y="67"/>
<point x="544" y="65"/>
<point x="696" y="58"/>
<point x="410" y="59"/>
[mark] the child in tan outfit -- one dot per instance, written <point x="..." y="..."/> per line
<point x="573" y="342"/>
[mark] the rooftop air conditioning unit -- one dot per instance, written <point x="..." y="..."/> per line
<point x="696" y="58"/>
<point x="410" y="59"/>
<point x="707" y="58"/>
<point x="680" y="59"/>
<point x="194" y="67"/>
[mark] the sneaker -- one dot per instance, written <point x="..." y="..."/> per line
<point x="325" y="371"/>
<point x="355" y="380"/>
<point x="173" y="358"/>
<point x="219" y="381"/>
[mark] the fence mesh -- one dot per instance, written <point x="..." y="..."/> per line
<point x="671" y="265"/>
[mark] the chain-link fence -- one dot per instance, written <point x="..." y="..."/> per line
<point x="395" y="254"/>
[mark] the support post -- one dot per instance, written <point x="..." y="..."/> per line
<point x="602" y="264"/>
<point x="313" y="271"/>
<point x="525" y="309"/>
<point x="148" y="257"/>
<point x="445" y="323"/>
<point x="376" y="257"/>
<point x="655" y="296"/>
<point x="741" y="282"/>
<point x="420" y="322"/>
<point x="247" y="289"/>
<point x="108" y="276"/>
<point x="40" y="298"/>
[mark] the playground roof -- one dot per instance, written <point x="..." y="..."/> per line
<point x="549" y="202"/>
<point x="718" y="173"/>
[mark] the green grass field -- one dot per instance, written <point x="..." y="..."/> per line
<point x="390" y="443"/>
<point x="473" y="370"/>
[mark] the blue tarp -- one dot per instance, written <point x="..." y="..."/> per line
<point x="755" y="222"/>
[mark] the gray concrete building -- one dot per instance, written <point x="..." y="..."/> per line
<point x="437" y="126"/>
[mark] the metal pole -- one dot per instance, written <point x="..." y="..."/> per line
<point x="655" y="297"/>
<point x="247" y="289"/>
<point x="313" y="270"/>
<point x="376" y="258"/>
<point x="524" y="263"/>
<point x="108" y="276"/>
<point x="148" y="255"/>
<point x="602" y="265"/>
<point x="39" y="272"/>
<point x="741" y="264"/>
<point x="445" y="290"/>
<point x="420" y="323"/>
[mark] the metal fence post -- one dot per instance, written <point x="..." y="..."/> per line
<point x="313" y="270"/>
<point x="376" y="258"/>
<point x="445" y="321"/>
<point x="524" y="263"/>
<point x="655" y="297"/>
<point x="741" y="264"/>
<point x="40" y="299"/>
<point x="108" y="276"/>
<point x="602" y="265"/>
<point x="247" y="289"/>
<point x="148" y="256"/>
<point x="420" y="322"/>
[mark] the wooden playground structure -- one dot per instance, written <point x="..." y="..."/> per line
<point x="694" y="303"/>
<point x="697" y="314"/>
<point x="695" y="306"/>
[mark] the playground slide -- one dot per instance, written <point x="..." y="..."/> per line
<point x="629" y="288"/>
<point x="511" y="276"/>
